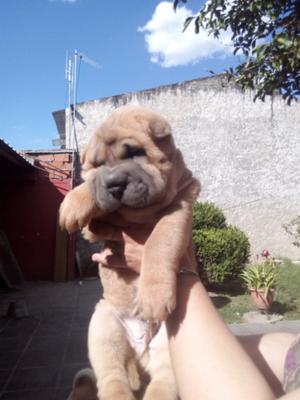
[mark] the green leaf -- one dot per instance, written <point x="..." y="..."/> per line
<point x="176" y="3"/>
<point x="187" y="23"/>
<point x="269" y="32"/>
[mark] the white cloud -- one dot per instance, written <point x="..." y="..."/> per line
<point x="170" y="47"/>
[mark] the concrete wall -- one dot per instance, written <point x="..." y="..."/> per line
<point x="245" y="154"/>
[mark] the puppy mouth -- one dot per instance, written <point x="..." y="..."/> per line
<point x="125" y="184"/>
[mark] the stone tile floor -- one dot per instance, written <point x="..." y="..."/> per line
<point x="41" y="352"/>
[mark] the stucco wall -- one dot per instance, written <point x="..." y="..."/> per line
<point x="246" y="154"/>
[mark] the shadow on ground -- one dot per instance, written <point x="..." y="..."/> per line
<point x="220" y="301"/>
<point x="282" y="308"/>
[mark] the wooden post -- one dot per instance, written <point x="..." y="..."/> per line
<point x="61" y="255"/>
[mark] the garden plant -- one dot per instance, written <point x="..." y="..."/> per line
<point x="222" y="251"/>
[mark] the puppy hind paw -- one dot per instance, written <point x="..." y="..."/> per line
<point x="160" y="393"/>
<point x="84" y="386"/>
<point x="117" y="395"/>
<point x="133" y="375"/>
<point x="156" y="392"/>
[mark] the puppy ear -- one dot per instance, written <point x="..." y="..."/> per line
<point x="145" y="119"/>
<point x="159" y="127"/>
<point x="85" y="158"/>
<point x="93" y="154"/>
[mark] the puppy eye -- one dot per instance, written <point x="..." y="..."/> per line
<point x="131" y="152"/>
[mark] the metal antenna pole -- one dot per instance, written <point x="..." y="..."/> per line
<point x="69" y="77"/>
<point x="72" y="76"/>
<point x="73" y="141"/>
<point x="74" y="98"/>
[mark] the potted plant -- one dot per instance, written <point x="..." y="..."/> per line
<point x="260" y="279"/>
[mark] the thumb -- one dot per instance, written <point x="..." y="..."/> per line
<point x="108" y="259"/>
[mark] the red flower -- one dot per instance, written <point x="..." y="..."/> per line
<point x="265" y="253"/>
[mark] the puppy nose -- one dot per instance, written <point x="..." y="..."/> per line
<point x="115" y="177"/>
<point x="117" y="191"/>
<point x="116" y="182"/>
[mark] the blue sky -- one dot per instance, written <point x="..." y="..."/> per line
<point x="137" y="42"/>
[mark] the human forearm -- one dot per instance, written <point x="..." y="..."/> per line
<point x="208" y="361"/>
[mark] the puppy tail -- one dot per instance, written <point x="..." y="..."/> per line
<point x="84" y="386"/>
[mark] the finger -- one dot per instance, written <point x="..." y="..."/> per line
<point x="136" y="234"/>
<point x="105" y="231"/>
<point x="101" y="257"/>
<point x="98" y="258"/>
<point x="114" y="261"/>
<point x="108" y="259"/>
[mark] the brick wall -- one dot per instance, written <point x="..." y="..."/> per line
<point x="54" y="165"/>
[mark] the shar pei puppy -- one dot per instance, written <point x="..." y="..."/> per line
<point x="134" y="176"/>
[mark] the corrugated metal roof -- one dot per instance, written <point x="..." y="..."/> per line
<point x="9" y="153"/>
<point x="45" y="151"/>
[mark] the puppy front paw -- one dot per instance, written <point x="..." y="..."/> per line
<point x="155" y="301"/>
<point x="71" y="216"/>
<point x="76" y="209"/>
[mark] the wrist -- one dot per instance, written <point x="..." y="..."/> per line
<point x="186" y="280"/>
<point x="188" y="272"/>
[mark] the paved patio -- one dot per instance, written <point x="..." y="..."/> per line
<point x="41" y="351"/>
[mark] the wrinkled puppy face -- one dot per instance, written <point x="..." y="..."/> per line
<point x="128" y="160"/>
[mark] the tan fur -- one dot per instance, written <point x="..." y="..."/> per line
<point x="152" y="295"/>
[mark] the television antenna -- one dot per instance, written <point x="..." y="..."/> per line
<point x="72" y="74"/>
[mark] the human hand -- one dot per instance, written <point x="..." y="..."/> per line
<point x="124" y="247"/>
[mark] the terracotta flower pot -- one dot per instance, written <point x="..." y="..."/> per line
<point x="259" y="299"/>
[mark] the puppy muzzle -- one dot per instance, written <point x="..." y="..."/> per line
<point x="126" y="183"/>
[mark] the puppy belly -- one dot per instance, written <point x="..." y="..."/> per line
<point x="157" y="354"/>
<point x="145" y="339"/>
<point x="111" y="355"/>
<point x="150" y="346"/>
<point x="138" y="333"/>
<point x="125" y="352"/>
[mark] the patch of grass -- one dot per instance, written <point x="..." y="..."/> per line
<point x="287" y="297"/>
<point x="233" y="310"/>
<point x="288" y="289"/>
<point x="288" y="281"/>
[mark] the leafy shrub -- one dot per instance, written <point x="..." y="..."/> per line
<point x="207" y="215"/>
<point x="222" y="251"/>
